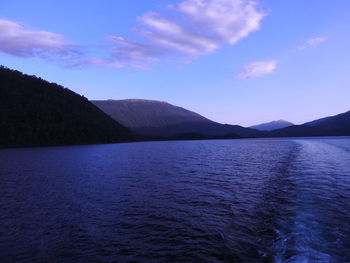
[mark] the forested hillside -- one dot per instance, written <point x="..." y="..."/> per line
<point x="35" y="112"/>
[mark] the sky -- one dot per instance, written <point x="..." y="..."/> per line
<point x="233" y="61"/>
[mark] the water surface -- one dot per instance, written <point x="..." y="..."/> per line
<point x="258" y="200"/>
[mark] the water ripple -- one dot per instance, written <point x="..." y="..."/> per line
<point x="261" y="200"/>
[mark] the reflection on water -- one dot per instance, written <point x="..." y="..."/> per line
<point x="261" y="200"/>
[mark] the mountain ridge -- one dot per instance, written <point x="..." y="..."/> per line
<point x="155" y="118"/>
<point x="35" y="112"/>
<point x="337" y="125"/>
<point x="272" y="125"/>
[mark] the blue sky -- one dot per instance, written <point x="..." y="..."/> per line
<point x="233" y="61"/>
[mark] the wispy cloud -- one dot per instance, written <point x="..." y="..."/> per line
<point x="182" y="32"/>
<point x="17" y="40"/>
<point x="257" y="69"/>
<point x="191" y="28"/>
<point x="312" y="42"/>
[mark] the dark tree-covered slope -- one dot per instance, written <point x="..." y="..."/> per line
<point x="35" y="112"/>
<point x="338" y="125"/>
<point x="150" y="117"/>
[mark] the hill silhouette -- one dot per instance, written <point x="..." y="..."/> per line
<point x="157" y="118"/>
<point x="273" y="125"/>
<point x="338" y="125"/>
<point x="35" y="112"/>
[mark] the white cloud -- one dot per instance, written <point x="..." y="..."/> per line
<point x="195" y="28"/>
<point x="257" y="69"/>
<point x="172" y="36"/>
<point x="17" y="40"/>
<point x="228" y="20"/>
<point x="182" y="33"/>
<point x="312" y="42"/>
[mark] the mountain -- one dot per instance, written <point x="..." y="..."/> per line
<point x="269" y="126"/>
<point x="334" y="125"/>
<point x="338" y="125"/>
<point x="35" y="112"/>
<point x="138" y="113"/>
<point x="315" y="122"/>
<point x="157" y="118"/>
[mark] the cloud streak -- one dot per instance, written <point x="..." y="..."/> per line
<point x="180" y="33"/>
<point x="194" y="28"/>
<point x="17" y="40"/>
<point x="257" y="69"/>
<point x="312" y="42"/>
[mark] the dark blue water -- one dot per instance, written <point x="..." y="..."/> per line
<point x="263" y="200"/>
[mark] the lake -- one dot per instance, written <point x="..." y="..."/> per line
<point x="251" y="200"/>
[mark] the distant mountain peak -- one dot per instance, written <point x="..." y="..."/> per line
<point x="273" y="125"/>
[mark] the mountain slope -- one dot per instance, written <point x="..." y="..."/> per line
<point x="338" y="125"/>
<point x="149" y="117"/>
<point x="35" y="112"/>
<point x="137" y="113"/>
<point x="335" y="125"/>
<point x="318" y="121"/>
<point x="269" y="126"/>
